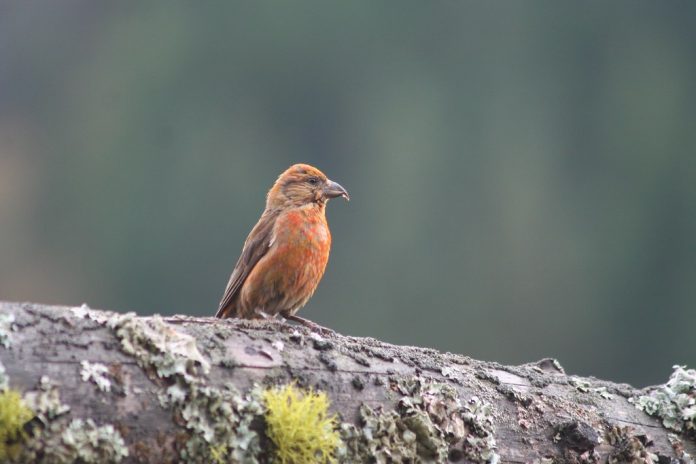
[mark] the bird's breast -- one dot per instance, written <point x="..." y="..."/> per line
<point x="288" y="275"/>
<point x="304" y="234"/>
<point x="301" y="250"/>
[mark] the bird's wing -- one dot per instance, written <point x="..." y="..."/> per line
<point x="255" y="247"/>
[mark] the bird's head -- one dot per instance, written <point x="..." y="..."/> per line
<point x="303" y="184"/>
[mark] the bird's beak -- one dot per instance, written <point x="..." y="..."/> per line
<point x="333" y="189"/>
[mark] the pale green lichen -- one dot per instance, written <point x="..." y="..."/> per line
<point x="4" y="380"/>
<point x="80" y="441"/>
<point x="97" y="373"/>
<point x="429" y="423"/>
<point x="602" y="391"/>
<point x="581" y="385"/>
<point x="673" y="402"/>
<point x="218" y="419"/>
<point x="6" y="327"/>
<point x="480" y="442"/>
<point x="584" y="386"/>
<point x="85" y="312"/>
<point x="381" y="435"/>
<point x="157" y="346"/>
<point x="45" y="401"/>
<point x="84" y="441"/>
<point x="55" y="440"/>
<point x="300" y="426"/>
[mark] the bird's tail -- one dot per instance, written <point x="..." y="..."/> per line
<point x="225" y="311"/>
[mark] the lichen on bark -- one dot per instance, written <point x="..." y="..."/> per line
<point x="429" y="424"/>
<point x="674" y="402"/>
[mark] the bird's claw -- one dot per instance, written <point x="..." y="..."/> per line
<point x="319" y="328"/>
<point x="313" y="326"/>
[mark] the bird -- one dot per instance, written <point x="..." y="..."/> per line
<point x="285" y="255"/>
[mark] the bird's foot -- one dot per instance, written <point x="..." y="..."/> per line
<point x="313" y="326"/>
<point x="264" y="315"/>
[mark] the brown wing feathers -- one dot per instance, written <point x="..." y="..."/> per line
<point x="255" y="247"/>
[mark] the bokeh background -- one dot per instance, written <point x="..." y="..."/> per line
<point x="523" y="174"/>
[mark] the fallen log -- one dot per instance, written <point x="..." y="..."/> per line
<point x="107" y="387"/>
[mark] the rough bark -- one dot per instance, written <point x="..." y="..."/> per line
<point x="540" y="414"/>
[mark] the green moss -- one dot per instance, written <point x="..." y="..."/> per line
<point x="218" y="453"/>
<point x="674" y="402"/>
<point x="14" y="414"/>
<point x="299" y="425"/>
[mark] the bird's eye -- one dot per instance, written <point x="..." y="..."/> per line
<point x="313" y="181"/>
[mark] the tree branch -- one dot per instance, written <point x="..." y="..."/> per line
<point x="187" y="389"/>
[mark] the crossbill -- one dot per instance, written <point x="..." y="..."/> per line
<point x="284" y="256"/>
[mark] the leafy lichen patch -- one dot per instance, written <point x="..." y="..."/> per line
<point x="6" y="327"/>
<point x="480" y="443"/>
<point x="45" y="401"/>
<point x="428" y="424"/>
<point x="218" y="419"/>
<point x="54" y="440"/>
<point x="85" y="312"/>
<point x="4" y="380"/>
<point x="84" y="441"/>
<point x="157" y="346"/>
<point x="673" y="402"/>
<point x="97" y="373"/>
<point x="585" y="386"/>
<point x="51" y="438"/>
<point x="382" y="436"/>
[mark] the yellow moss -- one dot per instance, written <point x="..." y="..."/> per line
<point x="217" y="453"/>
<point x="300" y="427"/>
<point x="13" y="415"/>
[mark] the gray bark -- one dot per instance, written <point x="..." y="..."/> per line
<point x="540" y="413"/>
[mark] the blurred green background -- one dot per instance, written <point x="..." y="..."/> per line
<point x="523" y="174"/>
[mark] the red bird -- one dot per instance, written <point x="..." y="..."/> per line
<point x="285" y="254"/>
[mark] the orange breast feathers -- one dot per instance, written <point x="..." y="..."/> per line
<point x="287" y="276"/>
